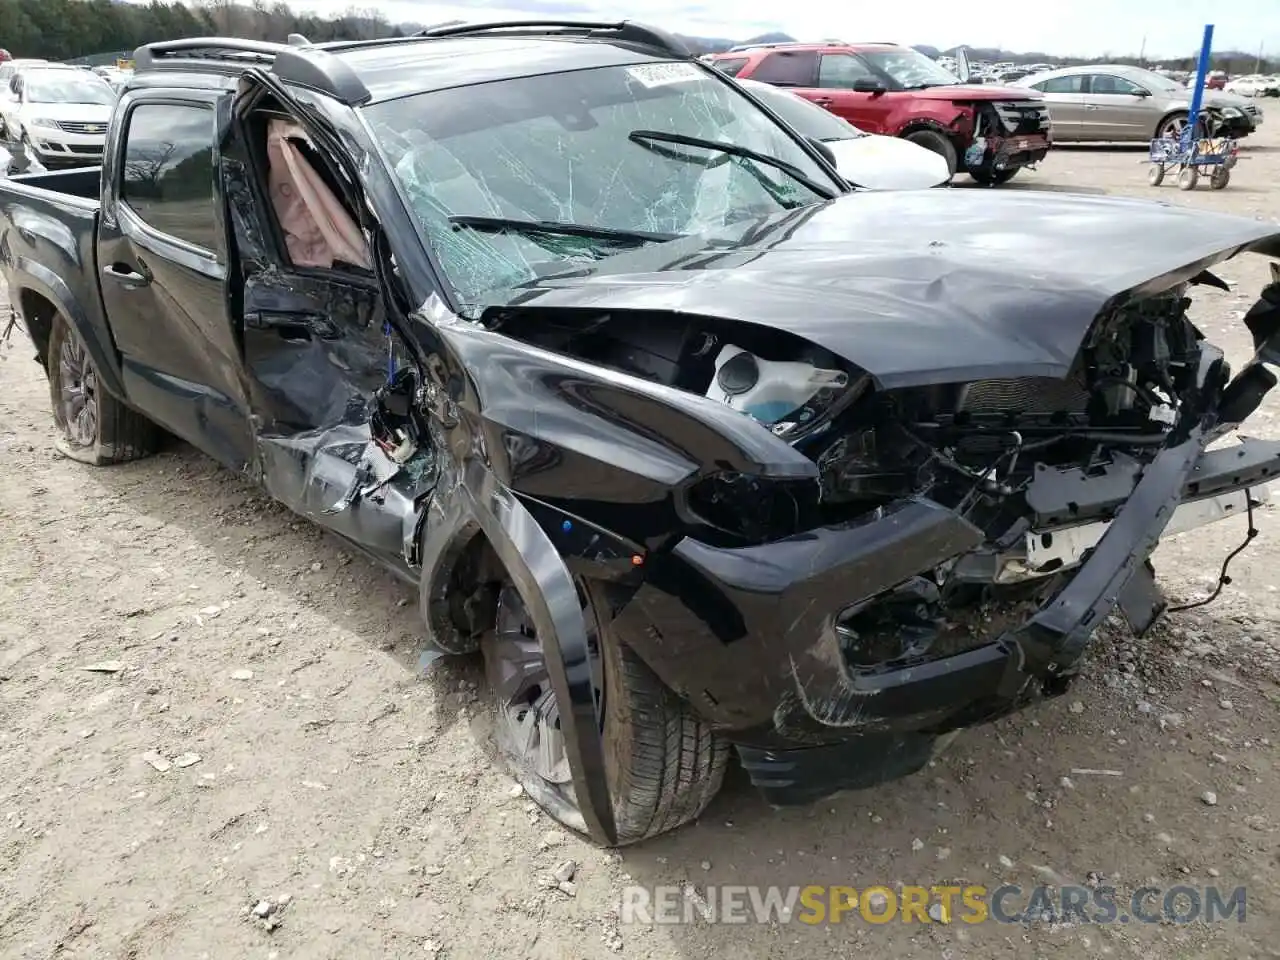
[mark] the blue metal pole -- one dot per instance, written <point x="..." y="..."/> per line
<point x="1197" y="95"/>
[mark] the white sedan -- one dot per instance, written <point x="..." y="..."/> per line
<point x="1254" y="86"/>
<point x="864" y="159"/>
<point x="60" y="114"/>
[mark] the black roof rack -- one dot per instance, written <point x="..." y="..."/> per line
<point x="316" y="67"/>
<point x="214" y="48"/>
<point x="621" y="31"/>
<point x="294" y="62"/>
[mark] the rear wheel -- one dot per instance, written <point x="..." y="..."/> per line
<point x="95" y="427"/>
<point x="663" y="764"/>
<point x="1188" y="178"/>
<point x="1220" y="177"/>
<point x="1155" y="174"/>
<point x="939" y="144"/>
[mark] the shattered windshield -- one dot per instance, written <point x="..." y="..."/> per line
<point x="910" y="68"/>
<point x="522" y="178"/>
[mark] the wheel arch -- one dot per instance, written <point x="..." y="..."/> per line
<point x="38" y="314"/>
<point x="42" y="296"/>
<point x="916" y="124"/>
<point x="474" y="519"/>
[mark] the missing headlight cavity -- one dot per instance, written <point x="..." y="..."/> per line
<point x="786" y="395"/>
<point x="777" y="378"/>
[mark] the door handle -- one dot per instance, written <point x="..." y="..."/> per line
<point x="123" y="274"/>
<point x="1091" y="106"/>
<point x="294" y="327"/>
<point x="823" y="101"/>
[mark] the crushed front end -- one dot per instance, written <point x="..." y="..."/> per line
<point x="1008" y="135"/>
<point x="963" y="543"/>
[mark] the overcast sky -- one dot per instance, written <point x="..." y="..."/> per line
<point x="1085" y="27"/>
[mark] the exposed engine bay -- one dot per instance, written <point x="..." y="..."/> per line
<point x="973" y="447"/>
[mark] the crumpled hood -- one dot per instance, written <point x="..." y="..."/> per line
<point x="1221" y="98"/>
<point x="925" y="287"/>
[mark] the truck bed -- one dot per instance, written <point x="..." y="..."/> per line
<point x="48" y="255"/>
<point x="83" y="182"/>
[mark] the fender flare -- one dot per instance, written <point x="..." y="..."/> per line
<point x="472" y="502"/>
<point x="29" y="275"/>
<point x="911" y="126"/>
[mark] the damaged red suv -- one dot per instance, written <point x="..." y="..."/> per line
<point x="987" y="131"/>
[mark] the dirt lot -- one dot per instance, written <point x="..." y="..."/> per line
<point x="309" y="756"/>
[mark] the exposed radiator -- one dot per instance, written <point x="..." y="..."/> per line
<point x="1024" y="395"/>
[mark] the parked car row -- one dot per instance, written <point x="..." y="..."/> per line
<point x="988" y="130"/>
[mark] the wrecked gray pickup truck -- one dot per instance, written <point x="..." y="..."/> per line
<point x="701" y="450"/>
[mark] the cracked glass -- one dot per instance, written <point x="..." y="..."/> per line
<point x="564" y="149"/>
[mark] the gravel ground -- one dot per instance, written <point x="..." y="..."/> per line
<point x="206" y="704"/>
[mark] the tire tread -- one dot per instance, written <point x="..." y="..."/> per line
<point x="677" y="763"/>
<point x="123" y="433"/>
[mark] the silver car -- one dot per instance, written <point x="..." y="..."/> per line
<point x="1119" y="102"/>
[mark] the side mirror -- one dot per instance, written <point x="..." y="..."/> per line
<point x="1142" y="94"/>
<point x="867" y="85"/>
<point x="823" y="149"/>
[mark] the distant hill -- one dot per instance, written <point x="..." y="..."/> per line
<point x="701" y="45"/>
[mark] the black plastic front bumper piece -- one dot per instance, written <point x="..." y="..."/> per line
<point x="807" y="723"/>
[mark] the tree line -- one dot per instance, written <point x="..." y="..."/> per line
<point x="68" y="29"/>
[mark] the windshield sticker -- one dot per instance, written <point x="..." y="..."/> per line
<point x="659" y="74"/>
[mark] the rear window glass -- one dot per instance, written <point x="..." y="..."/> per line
<point x="787" y="69"/>
<point x="731" y="67"/>
<point x="1068" y="84"/>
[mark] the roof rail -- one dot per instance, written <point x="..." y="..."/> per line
<point x="150" y="55"/>
<point x="744" y="47"/>
<point x="622" y="31"/>
<point x="293" y="62"/>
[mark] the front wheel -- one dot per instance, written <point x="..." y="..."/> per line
<point x="993" y="178"/>
<point x="662" y="763"/>
<point x="95" y="427"/>
<point x="937" y="143"/>
<point x="1220" y="177"/>
<point x="1188" y="178"/>
<point x="1171" y="127"/>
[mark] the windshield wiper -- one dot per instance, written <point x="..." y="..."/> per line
<point x="790" y="169"/>
<point x="504" y="224"/>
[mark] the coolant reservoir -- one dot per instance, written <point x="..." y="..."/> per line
<point x="769" y="390"/>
